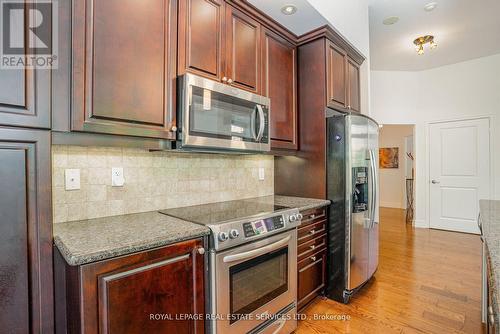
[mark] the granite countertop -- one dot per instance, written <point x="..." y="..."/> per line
<point x="490" y="225"/>
<point x="300" y="203"/>
<point x="86" y="241"/>
<point x="92" y="240"/>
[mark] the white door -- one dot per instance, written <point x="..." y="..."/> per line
<point x="459" y="173"/>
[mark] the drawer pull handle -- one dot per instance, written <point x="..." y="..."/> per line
<point x="311" y="232"/>
<point x="312" y="247"/>
<point x="313" y="258"/>
<point x="312" y="216"/>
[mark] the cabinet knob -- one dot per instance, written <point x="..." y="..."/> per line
<point x="312" y="216"/>
<point x="313" y="258"/>
<point x="173" y="129"/>
<point x="224" y="79"/>
<point x="312" y="247"/>
<point x="229" y="81"/>
<point x="312" y="232"/>
<point x="201" y="250"/>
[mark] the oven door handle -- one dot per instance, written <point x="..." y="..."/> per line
<point x="256" y="252"/>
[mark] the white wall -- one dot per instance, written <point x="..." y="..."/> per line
<point x="392" y="181"/>
<point x="463" y="90"/>
<point x="350" y="18"/>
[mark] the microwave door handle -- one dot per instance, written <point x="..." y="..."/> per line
<point x="256" y="252"/>
<point x="261" y="124"/>
<point x="252" y="123"/>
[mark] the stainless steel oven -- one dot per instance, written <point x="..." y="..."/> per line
<point x="214" y="116"/>
<point x="256" y="286"/>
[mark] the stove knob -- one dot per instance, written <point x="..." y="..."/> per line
<point x="233" y="234"/>
<point x="223" y="236"/>
<point x="299" y="216"/>
<point x="293" y="218"/>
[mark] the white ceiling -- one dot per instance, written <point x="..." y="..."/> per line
<point x="463" y="30"/>
<point x="305" y="19"/>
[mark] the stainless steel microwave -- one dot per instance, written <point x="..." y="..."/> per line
<point x="212" y="116"/>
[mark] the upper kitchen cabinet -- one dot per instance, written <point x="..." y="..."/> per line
<point x="25" y="93"/>
<point x="342" y="78"/>
<point x="200" y="37"/>
<point x="353" y="92"/>
<point x="336" y="76"/>
<point x="219" y="42"/>
<point x="123" y="67"/>
<point x="279" y="84"/>
<point x="242" y="50"/>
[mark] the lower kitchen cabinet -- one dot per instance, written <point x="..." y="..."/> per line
<point x="311" y="256"/>
<point x="26" y="298"/>
<point x="147" y="292"/>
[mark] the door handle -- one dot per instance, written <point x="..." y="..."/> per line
<point x="261" y="125"/>
<point x="252" y="124"/>
<point x="257" y="252"/>
<point x="435" y="182"/>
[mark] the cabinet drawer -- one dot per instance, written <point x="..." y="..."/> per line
<point x="311" y="277"/>
<point x="312" y="216"/>
<point x="311" y="231"/>
<point x="310" y="247"/>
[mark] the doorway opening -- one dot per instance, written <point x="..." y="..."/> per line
<point x="397" y="168"/>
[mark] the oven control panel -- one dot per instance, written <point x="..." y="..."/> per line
<point x="263" y="226"/>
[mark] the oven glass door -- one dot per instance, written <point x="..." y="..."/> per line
<point x="213" y="114"/>
<point x="256" y="282"/>
<point x="253" y="279"/>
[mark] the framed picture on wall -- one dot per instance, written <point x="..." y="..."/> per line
<point x="388" y="157"/>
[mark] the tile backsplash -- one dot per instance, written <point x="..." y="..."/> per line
<point x="153" y="181"/>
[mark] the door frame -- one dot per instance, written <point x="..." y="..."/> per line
<point x="491" y="121"/>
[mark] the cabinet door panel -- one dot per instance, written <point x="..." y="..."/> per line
<point x="118" y="295"/>
<point x="26" y="300"/>
<point x="354" y="94"/>
<point x="279" y="84"/>
<point x="25" y="96"/>
<point x="242" y="50"/>
<point x="336" y="76"/>
<point x="200" y="37"/>
<point x="123" y="67"/>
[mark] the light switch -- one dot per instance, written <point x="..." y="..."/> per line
<point x="117" y="178"/>
<point x="261" y="174"/>
<point x="72" y="179"/>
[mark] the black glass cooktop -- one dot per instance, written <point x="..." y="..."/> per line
<point x="221" y="212"/>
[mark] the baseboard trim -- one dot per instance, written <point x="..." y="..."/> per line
<point x="420" y="223"/>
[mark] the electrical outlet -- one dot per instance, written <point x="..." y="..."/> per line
<point x="72" y="179"/>
<point x="117" y="178"/>
<point x="261" y="174"/>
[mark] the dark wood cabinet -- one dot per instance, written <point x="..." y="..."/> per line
<point x="242" y="39"/>
<point x="279" y="83"/>
<point x="319" y="86"/>
<point x="123" y="67"/>
<point x="336" y="76"/>
<point x="343" y="90"/>
<point x="353" y="90"/>
<point x="26" y="298"/>
<point x="129" y="293"/>
<point x="200" y="37"/>
<point x="219" y="42"/>
<point x="311" y="256"/>
<point x="25" y="95"/>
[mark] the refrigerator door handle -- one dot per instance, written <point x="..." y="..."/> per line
<point x="374" y="188"/>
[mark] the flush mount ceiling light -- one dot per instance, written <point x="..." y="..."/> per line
<point x="420" y="41"/>
<point x="430" y="6"/>
<point x="390" y="20"/>
<point x="289" y="9"/>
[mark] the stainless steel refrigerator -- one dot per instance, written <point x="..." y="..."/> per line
<point x="352" y="187"/>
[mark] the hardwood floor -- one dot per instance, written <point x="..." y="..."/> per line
<point x="428" y="281"/>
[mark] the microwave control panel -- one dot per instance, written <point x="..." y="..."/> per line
<point x="263" y="226"/>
